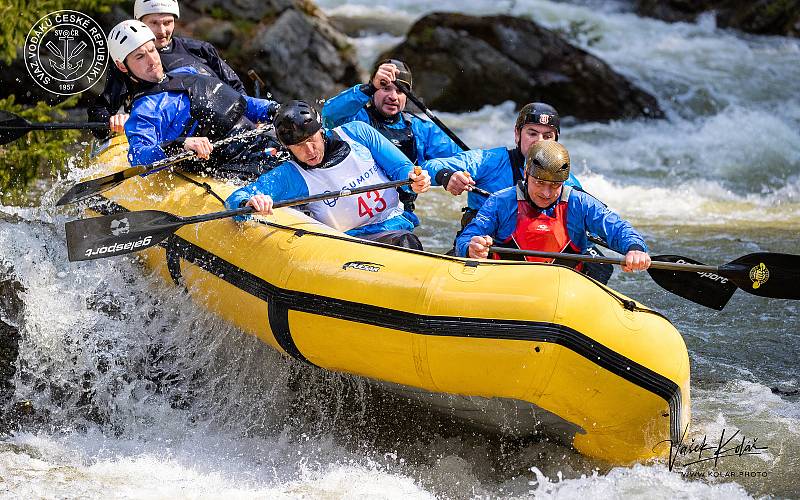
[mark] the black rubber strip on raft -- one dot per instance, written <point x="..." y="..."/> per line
<point x="174" y="260"/>
<point x="280" y="301"/>
<point x="279" y="324"/>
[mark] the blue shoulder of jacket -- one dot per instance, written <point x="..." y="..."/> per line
<point x="358" y="130"/>
<point x="184" y="69"/>
<point x="499" y="154"/>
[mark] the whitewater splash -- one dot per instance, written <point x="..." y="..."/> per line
<point x="729" y="152"/>
<point x="140" y="392"/>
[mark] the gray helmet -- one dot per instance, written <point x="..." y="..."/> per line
<point x="405" y="72"/>
<point x="295" y="122"/>
<point x="548" y="161"/>
<point x="539" y="113"/>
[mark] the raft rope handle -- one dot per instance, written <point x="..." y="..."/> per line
<point x="206" y="186"/>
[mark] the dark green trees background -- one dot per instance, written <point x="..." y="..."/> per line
<point x="41" y="153"/>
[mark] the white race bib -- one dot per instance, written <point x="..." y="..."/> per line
<point x="357" y="170"/>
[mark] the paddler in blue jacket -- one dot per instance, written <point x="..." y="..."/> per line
<point x="382" y="104"/>
<point x="160" y="16"/>
<point x="498" y="168"/>
<point x="542" y="213"/>
<point x="185" y="110"/>
<point x="350" y="156"/>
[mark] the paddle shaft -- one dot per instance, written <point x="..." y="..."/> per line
<point x="407" y="91"/>
<point x="670" y="266"/>
<point x="295" y="201"/>
<point x="129" y="232"/>
<point x="62" y="126"/>
<point x="12" y="126"/>
<point x="87" y="189"/>
<point x="258" y="83"/>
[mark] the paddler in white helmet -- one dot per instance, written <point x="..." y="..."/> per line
<point x="161" y="17"/>
<point x="184" y="109"/>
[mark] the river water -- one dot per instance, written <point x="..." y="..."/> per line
<point x="142" y="394"/>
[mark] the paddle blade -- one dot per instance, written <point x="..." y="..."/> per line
<point x="111" y="235"/>
<point x="12" y="127"/>
<point x="85" y="190"/>
<point x="705" y="288"/>
<point x="773" y="275"/>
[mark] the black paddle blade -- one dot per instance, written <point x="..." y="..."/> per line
<point x="773" y="275"/>
<point x="85" y="190"/>
<point x="705" y="288"/>
<point x="12" y="127"/>
<point x="111" y="235"/>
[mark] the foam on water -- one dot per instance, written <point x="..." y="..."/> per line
<point x="145" y="394"/>
<point x="33" y="466"/>
<point x="639" y="481"/>
<point x="640" y="167"/>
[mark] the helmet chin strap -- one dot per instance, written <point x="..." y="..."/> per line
<point x="130" y="71"/>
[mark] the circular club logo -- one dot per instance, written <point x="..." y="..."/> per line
<point x="66" y="52"/>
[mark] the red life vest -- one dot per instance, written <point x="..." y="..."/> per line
<point x="538" y="231"/>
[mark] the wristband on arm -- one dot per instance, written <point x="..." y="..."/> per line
<point x="443" y="177"/>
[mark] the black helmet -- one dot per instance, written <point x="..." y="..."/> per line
<point x="548" y="161"/>
<point x="295" y="122"/>
<point x="405" y="72"/>
<point x="540" y="113"/>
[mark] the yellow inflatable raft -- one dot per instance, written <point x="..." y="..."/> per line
<point x="558" y="351"/>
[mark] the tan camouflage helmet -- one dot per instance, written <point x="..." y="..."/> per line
<point x="548" y="161"/>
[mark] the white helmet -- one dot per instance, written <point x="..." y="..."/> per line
<point x="126" y="37"/>
<point x="143" y="7"/>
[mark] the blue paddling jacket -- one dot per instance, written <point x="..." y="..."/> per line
<point x="498" y="219"/>
<point x="158" y="120"/>
<point x="284" y="182"/>
<point x="428" y="139"/>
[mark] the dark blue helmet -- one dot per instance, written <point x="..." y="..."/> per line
<point x="295" y="122"/>
<point x="405" y="72"/>
<point x="539" y="113"/>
